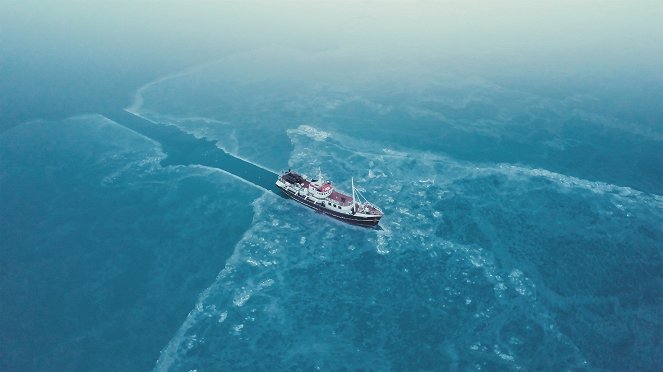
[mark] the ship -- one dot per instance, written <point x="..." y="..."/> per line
<point x="321" y="196"/>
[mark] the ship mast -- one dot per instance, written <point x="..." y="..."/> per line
<point x="353" y="190"/>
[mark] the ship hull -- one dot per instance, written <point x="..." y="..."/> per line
<point x="351" y="219"/>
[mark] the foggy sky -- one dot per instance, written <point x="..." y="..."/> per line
<point x="612" y="32"/>
<point x="60" y="48"/>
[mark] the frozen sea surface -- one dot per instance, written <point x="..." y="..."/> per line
<point x="497" y="267"/>
<point x="514" y="235"/>
<point x="103" y="249"/>
<point x="522" y="231"/>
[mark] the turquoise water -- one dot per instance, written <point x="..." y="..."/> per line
<point x="522" y="227"/>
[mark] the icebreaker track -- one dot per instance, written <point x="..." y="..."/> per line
<point x="184" y="149"/>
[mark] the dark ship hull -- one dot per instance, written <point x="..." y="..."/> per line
<point x="361" y="221"/>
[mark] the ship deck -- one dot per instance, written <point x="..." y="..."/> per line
<point x="338" y="197"/>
